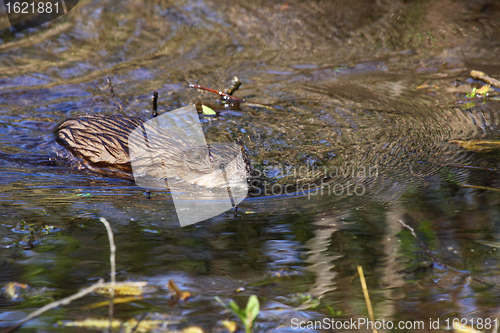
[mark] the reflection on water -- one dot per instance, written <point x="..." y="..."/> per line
<point x="329" y="87"/>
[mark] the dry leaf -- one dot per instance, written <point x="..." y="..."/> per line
<point x="230" y="325"/>
<point x="484" y="90"/>
<point x="102" y="324"/>
<point x="176" y="292"/>
<point x="127" y="288"/>
<point x="426" y="86"/>
<point x="12" y="288"/>
<point x="116" y="300"/>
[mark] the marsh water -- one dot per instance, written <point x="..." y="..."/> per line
<point x="353" y="113"/>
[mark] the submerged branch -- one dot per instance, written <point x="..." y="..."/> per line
<point x="80" y="294"/>
<point x="64" y="301"/>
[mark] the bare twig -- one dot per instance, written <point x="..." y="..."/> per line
<point x="80" y="294"/>
<point x="235" y="85"/>
<point x="110" y="87"/>
<point x="112" y="92"/>
<point x="112" y="249"/>
<point x="367" y="297"/>
<point x="426" y="249"/>
<point x="154" y="113"/>
<point x="257" y="105"/>
<point x="139" y="321"/>
<point x="223" y="95"/>
<point x="64" y="301"/>
<point x="414" y="234"/>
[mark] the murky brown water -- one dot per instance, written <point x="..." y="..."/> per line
<point x="333" y="87"/>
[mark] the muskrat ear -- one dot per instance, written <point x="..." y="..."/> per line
<point x="155" y="105"/>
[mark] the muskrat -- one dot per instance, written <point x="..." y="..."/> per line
<point x="101" y="143"/>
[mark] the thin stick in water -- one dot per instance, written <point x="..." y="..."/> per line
<point x="112" y="92"/>
<point x="429" y="253"/>
<point x="80" y="294"/>
<point x="110" y="87"/>
<point x="112" y="249"/>
<point x="235" y="85"/>
<point x="367" y="297"/>
<point x="154" y="113"/>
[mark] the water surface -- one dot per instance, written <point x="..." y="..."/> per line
<point x="363" y="93"/>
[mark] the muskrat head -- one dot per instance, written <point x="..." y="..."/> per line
<point x="209" y="166"/>
<point x="215" y="166"/>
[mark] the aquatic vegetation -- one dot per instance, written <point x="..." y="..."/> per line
<point x="246" y="315"/>
<point x="472" y="94"/>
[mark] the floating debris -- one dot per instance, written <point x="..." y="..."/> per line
<point x="131" y="325"/>
<point x="116" y="300"/>
<point x="206" y="111"/>
<point x="230" y="325"/>
<point x="127" y="288"/>
<point x="12" y="289"/>
<point x="478" y="75"/>
<point x="484" y="90"/>
<point x="177" y="294"/>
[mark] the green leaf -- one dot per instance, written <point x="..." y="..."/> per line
<point x="222" y="303"/>
<point x="232" y="307"/>
<point x="253" y="308"/>
<point x="248" y="315"/>
<point x="235" y="308"/>
<point x="207" y="111"/>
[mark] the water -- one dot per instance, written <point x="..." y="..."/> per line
<point x="363" y="94"/>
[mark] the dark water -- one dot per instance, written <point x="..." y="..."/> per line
<point x="364" y="93"/>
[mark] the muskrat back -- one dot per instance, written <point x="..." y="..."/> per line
<point x="101" y="142"/>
